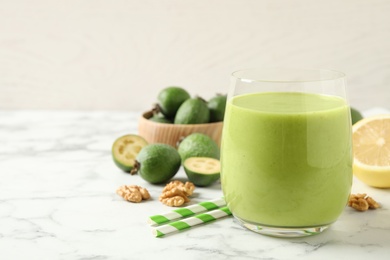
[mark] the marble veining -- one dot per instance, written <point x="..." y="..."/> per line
<point x="58" y="201"/>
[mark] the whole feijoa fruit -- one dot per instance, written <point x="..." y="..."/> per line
<point x="217" y="107"/>
<point x="198" y="145"/>
<point x="125" y="149"/>
<point x="355" y="115"/>
<point x="193" y="111"/>
<point x="160" y="118"/>
<point x="170" y="99"/>
<point x="157" y="163"/>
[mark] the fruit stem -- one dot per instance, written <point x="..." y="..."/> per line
<point x="135" y="168"/>
<point x="199" y="97"/>
<point x="156" y="109"/>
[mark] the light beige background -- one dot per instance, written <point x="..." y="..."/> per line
<point x="117" y="54"/>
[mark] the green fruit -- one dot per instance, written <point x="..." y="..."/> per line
<point x="198" y="145"/>
<point x="170" y="99"/>
<point x="125" y="149"/>
<point x="202" y="171"/>
<point x="159" y="118"/>
<point x="217" y="107"/>
<point x="157" y="163"/>
<point x="355" y="115"/>
<point x="193" y="111"/>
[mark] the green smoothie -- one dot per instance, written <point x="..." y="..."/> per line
<point x="286" y="158"/>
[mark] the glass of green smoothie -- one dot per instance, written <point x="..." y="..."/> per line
<point x="286" y="152"/>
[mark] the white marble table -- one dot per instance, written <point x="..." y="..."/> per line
<point x="58" y="201"/>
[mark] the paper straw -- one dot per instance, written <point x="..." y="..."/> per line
<point x="191" y="221"/>
<point x="186" y="211"/>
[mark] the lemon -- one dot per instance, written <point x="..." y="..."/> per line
<point x="202" y="171"/>
<point x="371" y="148"/>
<point x="125" y="149"/>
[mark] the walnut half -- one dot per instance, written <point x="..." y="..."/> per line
<point x="133" y="193"/>
<point x="176" y="193"/>
<point x="362" y="202"/>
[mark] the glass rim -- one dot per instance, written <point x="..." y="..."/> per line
<point x="331" y="75"/>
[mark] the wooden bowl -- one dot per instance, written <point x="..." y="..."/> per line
<point x="172" y="134"/>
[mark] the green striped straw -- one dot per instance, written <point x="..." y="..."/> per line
<point x="186" y="211"/>
<point x="191" y="221"/>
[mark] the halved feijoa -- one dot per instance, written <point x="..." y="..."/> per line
<point x="125" y="149"/>
<point x="202" y="171"/>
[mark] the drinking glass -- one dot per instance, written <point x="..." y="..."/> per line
<point x="286" y="152"/>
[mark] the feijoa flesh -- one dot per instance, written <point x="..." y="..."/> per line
<point x="202" y="171"/>
<point x="125" y="149"/>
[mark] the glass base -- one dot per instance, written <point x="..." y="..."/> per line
<point x="285" y="232"/>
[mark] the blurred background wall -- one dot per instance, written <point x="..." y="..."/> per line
<point x="117" y="54"/>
